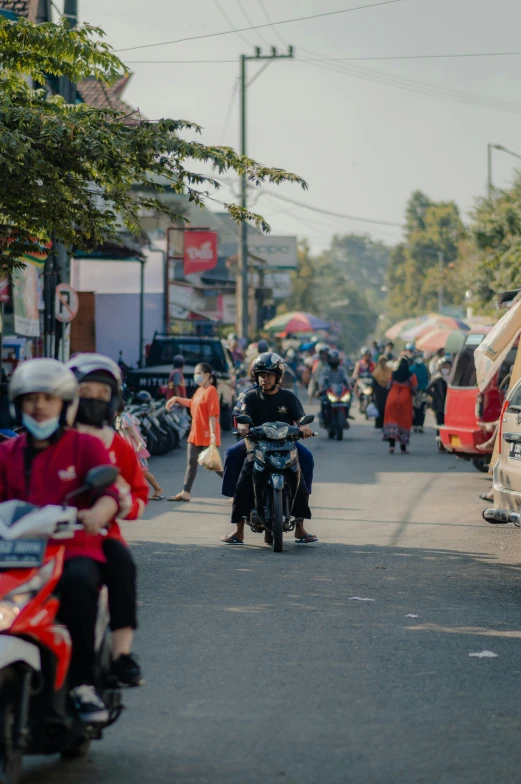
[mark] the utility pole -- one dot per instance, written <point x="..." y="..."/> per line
<point x="57" y="266"/>
<point x="441" y="267"/>
<point x="242" y="278"/>
<point x="489" y="169"/>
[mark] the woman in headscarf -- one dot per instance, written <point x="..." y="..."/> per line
<point x="381" y="378"/>
<point x="398" y="409"/>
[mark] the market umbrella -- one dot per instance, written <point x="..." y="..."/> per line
<point x="397" y="329"/>
<point x="432" y="323"/>
<point x="452" y="340"/>
<point x="296" y="322"/>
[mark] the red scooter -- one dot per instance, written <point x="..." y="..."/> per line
<point x="36" y="713"/>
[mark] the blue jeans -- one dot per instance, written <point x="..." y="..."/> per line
<point x="234" y="458"/>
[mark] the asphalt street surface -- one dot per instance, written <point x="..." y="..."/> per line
<point x="344" y="661"/>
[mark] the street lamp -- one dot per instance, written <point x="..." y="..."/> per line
<point x="491" y="147"/>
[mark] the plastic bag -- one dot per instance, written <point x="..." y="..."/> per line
<point x="372" y="411"/>
<point x="211" y="459"/>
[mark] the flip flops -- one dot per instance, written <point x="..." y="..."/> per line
<point x="308" y="539"/>
<point x="178" y="498"/>
<point x="231" y="539"/>
<point x="157" y="497"/>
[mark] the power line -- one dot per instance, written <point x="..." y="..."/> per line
<point x="229" y="110"/>
<point x="353" y="59"/>
<point x="333" y="214"/>
<point x="230" y="23"/>
<point x="259" y="27"/>
<point x="248" y="20"/>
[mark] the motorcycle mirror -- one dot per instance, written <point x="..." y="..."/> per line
<point x="97" y="479"/>
<point x="306" y="420"/>
<point x="101" y="476"/>
<point x="244" y="419"/>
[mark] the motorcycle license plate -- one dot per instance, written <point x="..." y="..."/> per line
<point x="24" y="553"/>
<point x="515" y="451"/>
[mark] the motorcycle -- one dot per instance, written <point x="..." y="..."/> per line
<point x="276" y="476"/>
<point x="365" y="395"/>
<point x="36" y="714"/>
<point x="337" y="405"/>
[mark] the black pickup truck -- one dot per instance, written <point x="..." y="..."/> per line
<point x="159" y="365"/>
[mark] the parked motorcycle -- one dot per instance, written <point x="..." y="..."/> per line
<point x="36" y="714"/>
<point x="276" y="476"/>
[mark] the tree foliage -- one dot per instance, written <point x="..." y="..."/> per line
<point x="66" y="170"/>
<point x="496" y="230"/>
<point x="325" y="285"/>
<point x="414" y="274"/>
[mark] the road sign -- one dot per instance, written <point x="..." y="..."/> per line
<point x="67" y="303"/>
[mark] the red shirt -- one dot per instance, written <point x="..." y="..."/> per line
<point x="54" y="472"/>
<point x="203" y="405"/>
<point x="123" y="456"/>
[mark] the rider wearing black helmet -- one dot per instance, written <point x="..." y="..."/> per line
<point x="268" y="403"/>
<point x="335" y="373"/>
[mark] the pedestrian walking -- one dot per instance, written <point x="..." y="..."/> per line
<point x="437" y="391"/>
<point x="398" y="408"/>
<point x="204" y="408"/>
<point x="420" y="401"/>
<point x="381" y="380"/>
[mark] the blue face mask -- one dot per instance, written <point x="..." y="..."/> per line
<point x="40" y="431"/>
<point x="198" y="378"/>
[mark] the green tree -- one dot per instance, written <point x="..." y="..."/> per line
<point x="66" y="170"/>
<point x="304" y="282"/>
<point x="414" y="274"/>
<point x="365" y="262"/>
<point x="496" y="230"/>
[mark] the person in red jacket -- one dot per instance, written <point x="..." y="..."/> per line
<point x="99" y="379"/>
<point x="43" y="467"/>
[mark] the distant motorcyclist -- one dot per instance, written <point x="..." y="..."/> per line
<point x="268" y="403"/>
<point x="334" y="373"/>
<point x="319" y="366"/>
<point x="365" y="365"/>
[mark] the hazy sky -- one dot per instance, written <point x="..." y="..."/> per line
<point x="362" y="145"/>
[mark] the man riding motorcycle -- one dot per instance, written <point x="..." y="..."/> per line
<point x="335" y="373"/>
<point x="43" y="467"/>
<point x="268" y="403"/>
<point x="100" y="383"/>
<point x="363" y="368"/>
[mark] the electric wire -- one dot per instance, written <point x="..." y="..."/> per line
<point x="229" y="111"/>
<point x="230" y="23"/>
<point x="258" y="27"/>
<point x="346" y="59"/>
<point x="248" y="20"/>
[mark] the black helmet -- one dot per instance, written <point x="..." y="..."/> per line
<point x="142" y="397"/>
<point x="269" y="363"/>
<point x="333" y="358"/>
<point x="262" y="346"/>
<point x="178" y="361"/>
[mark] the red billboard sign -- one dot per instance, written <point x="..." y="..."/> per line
<point x="200" y="251"/>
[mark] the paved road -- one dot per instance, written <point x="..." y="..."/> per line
<point x="347" y="661"/>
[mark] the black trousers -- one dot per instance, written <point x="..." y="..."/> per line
<point x="244" y="499"/>
<point x="78" y="591"/>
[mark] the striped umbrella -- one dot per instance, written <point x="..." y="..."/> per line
<point x="397" y="330"/>
<point x="432" y="323"/>
<point x="296" y="322"/>
<point x="452" y="340"/>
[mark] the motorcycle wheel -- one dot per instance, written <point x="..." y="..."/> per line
<point x="76" y="750"/>
<point x="339" y="424"/>
<point x="11" y="759"/>
<point x="277" y="526"/>
<point x="331" y="434"/>
<point x="481" y="464"/>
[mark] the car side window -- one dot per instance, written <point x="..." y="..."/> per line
<point x="515" y="398"/>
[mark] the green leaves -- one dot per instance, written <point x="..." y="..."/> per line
<point x="79" y="172"/>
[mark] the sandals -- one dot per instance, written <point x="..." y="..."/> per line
<point x="157" y="497"/>
<point x="231" y="539"/>
<point x="487" y="496"/>
<point x="178" y="497"/>
<point x="308" y="539"/>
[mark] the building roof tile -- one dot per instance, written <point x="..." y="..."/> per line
<point x="102" y="96"/>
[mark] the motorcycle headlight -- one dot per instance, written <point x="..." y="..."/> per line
<point x="275" y="432"/>
<point x="346" y="397"/>
<point x="260" y="456"/>
<point x="17" y="599"/>
<point x="332" y="398"/>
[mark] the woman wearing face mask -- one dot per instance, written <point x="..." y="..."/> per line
<point x="437" y="391"/>
<point x="420" y="370"/>
<point x="205" y="430"/>
<point x="99" y="379"/>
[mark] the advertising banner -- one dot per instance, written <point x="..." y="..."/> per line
<point x="278" y="252"/>
<point x="25" y="301"/>
<point x="200" y="251"/>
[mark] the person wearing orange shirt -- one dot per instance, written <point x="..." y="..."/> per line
<point x="204" y="408"/>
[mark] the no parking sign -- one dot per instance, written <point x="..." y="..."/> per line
<point x="67" y="303"/>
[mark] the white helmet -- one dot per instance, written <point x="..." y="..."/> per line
<point x="98" y="367"/>
<point x="44" y="375"/>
